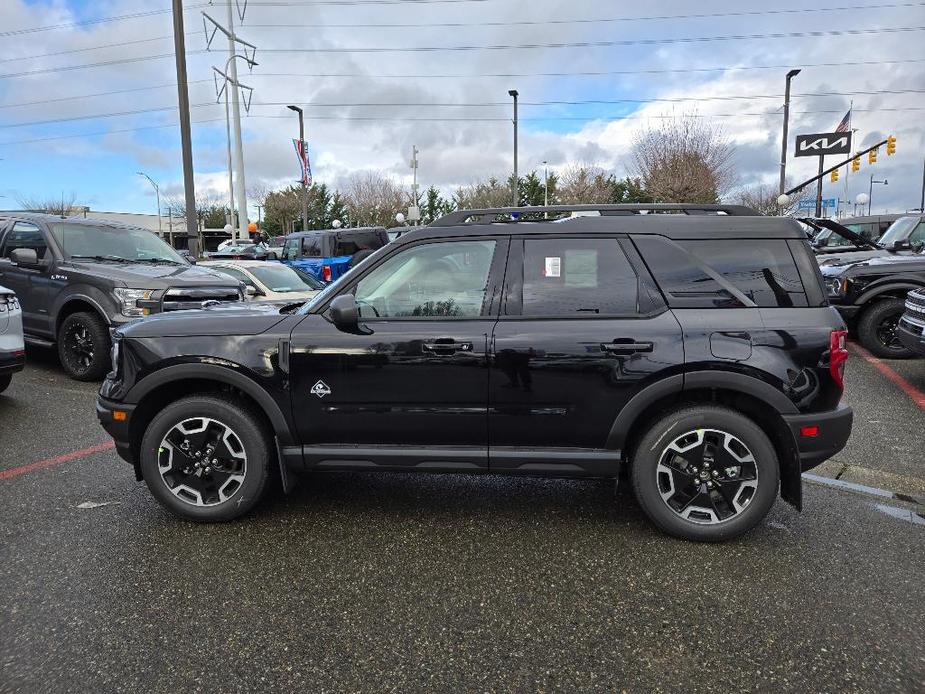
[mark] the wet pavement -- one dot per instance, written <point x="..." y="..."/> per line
<point x="386" y="582"/>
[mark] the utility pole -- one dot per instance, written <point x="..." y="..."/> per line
<point x="922" y="201"/>
<point x="302" y="145"/>
<point x="819" y="187"/>
<point x="783" y="146"/>
<point x="516" y="183"/>
<point x="414" y="212"/>
<point x="186" y="140"/>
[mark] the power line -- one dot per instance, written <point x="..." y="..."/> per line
<point x="89" y="48"/>
<point x="96" y="94"/>
<point x="601" y="44"/>
<point x="602" y="20"/>
<point x="586" y="119"/>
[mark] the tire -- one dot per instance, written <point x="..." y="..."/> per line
<point x="725" y="504"/>
<point x="5" y="381"/>
<point x="878" y="324"/>
<point x="244" y="479"/>
<point x="83" y="347"/>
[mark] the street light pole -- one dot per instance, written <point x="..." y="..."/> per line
<point x="783" y="146"/>
<point x="516" y="183"/>
<point x="870" y="195"/>
<point x="157" y="193"/>
<point x="302" y="149"/>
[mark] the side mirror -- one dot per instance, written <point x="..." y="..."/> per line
<point x="271" y="255"/>
<point x="345" y="314"/>
<point x="250" y="290"/>
<point x="26" y="257"/>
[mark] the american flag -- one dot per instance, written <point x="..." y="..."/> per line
<point x="845" y="124"/>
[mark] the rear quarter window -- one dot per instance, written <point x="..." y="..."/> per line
<point x="703" y="273"/>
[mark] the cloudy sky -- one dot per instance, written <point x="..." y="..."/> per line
<point x="88" y="96"/>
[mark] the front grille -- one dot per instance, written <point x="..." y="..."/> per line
<point x="179" y="298"/>
<point x="915" y="306"/>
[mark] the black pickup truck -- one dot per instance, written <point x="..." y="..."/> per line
<point x="76" y="278"/>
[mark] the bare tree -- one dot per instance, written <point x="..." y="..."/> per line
<point x="372" y="198"/>
<point x="585" y="184"/>
<point x="207" y="204"/>
<point x="763" y="198"/>
<point x="63" y="205"/>
<point x="482" y="194"/>
<point x="684" y="159"/>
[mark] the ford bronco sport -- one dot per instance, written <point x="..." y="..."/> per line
<point x="691" y="345"/>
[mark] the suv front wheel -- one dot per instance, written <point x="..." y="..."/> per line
<point x="206" y="458"/>
<point x="877" y="329"/>
<point x="705" y="473"/>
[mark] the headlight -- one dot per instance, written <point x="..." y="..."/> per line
<point x="836" y="286"/>
<point x="8" y="302"/>
<point x="129" y="299"/>
<point x="115" y="356"/>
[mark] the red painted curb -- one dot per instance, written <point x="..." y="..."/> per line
<point x="917" y="396"/>
<point x="73" y="455"/>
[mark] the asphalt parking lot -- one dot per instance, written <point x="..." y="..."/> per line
<point x="423" y="583"/>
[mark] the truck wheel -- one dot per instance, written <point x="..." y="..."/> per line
<point x="877" y="329"/>
<point x="5" y="381"/>
<point x="206" y="458"/>
<point x="83" y="347"/>
<point x="705" y="473"/>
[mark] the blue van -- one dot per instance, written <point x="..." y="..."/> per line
<point x="327" y="254"/>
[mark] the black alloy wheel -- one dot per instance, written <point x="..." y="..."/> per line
<point x="877" y="329"/>
<point x="83" y="347"/>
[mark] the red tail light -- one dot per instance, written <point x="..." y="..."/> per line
<point x="838" y="355"/>
<point x="326" y="273"/>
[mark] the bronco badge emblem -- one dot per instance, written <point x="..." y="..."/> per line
<point x="321" y="389"/>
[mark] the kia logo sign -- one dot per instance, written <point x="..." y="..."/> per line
<point x="823" y="143"/>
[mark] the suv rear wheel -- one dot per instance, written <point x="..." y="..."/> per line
<point x="877" y="329"/>
<point x="705" y="473"/>
<point x="83" y="347"/>
<point x="206" y="458"/>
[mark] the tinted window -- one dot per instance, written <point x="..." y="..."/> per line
<point x="762" y="269"/>
<point x="311" y="246"/>
<point x="348" y="243"/>
<point x="446" y="279"/>
<point x="682" y="278"/>
<point x="25" y="235"/>
<point x="917" y="237"/>
<point x="577" y="277"/>
<point x="85" y="240"/>
<point x="291" y="249"/>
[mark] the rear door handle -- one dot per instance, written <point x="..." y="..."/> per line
<point x="626" y="347"/>
<point x="446" y="347"/>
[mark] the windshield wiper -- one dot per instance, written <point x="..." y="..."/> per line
<point x="158" y="260"/>
<point x="112" y="258"/>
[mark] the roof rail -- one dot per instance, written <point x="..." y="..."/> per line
<point x="541" y="213"/>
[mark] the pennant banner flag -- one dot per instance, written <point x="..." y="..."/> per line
<point x="301" y="151"/>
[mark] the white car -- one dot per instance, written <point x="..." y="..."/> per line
<point x="12" y="348"/>
<point x="267" y="280"/>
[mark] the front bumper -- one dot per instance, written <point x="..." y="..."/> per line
<point x="848" y="311"/>
<point x="832" y="430"/>
<point x="912" y="335"/>
<point x="11" y="362"/>
<point x="117" y="428"/>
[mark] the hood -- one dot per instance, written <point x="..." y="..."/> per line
<point x="152" y="275"/>
<point x="850" y="257"/>
<point x="881" y="264"/>
<point x="231" y="320"/>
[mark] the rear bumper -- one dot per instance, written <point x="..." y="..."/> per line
<point x="912" y="336"/>
<point x="118" y="429"/>
<point x="10" y="362"/>
<point x="832" y="430"/>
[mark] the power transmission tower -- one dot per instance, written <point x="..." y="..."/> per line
<point x="231" y="68"/>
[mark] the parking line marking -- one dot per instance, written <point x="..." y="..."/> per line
<point x="48" y="462"/>
<point x="917" y="396"/>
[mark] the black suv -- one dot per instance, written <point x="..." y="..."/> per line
<point x="696" y="350"/>
<point x="76" y="278"/>
<point x="871" y="295"/>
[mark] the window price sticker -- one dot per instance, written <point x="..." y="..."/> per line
<point x="553" y="267"/>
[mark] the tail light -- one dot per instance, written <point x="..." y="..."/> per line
<point x="326" y="273"/>
<point x="838" y="355"/>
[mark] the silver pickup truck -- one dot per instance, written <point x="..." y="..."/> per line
<point x="12" y="350"/>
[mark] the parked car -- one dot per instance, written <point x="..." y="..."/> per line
<point x="911" y="330"/>
<point x="871" y="296"/>
<point x="243" y="250"/>
<point x="328" y="254"/>
<point x="905" y="236"/>
<point x="76" y="278"/>
<point x="269" y="281"/>
<point x="871" y="226"/>
<point x="696" y="349"/>
<point x="12" y="347"/>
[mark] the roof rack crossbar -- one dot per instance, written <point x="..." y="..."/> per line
<point x="490" y="214"/>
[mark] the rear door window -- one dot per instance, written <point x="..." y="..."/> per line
<point x="311" y="246"/>
<point x="577" y="277"/>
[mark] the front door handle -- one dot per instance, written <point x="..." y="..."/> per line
<point x="446" y="347"/>
<point x="626" y="347"/>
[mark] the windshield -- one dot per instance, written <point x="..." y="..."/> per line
<point x="112" y="243"/>
<point x="282" y="279"/>
<point x="898" y="231"/>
